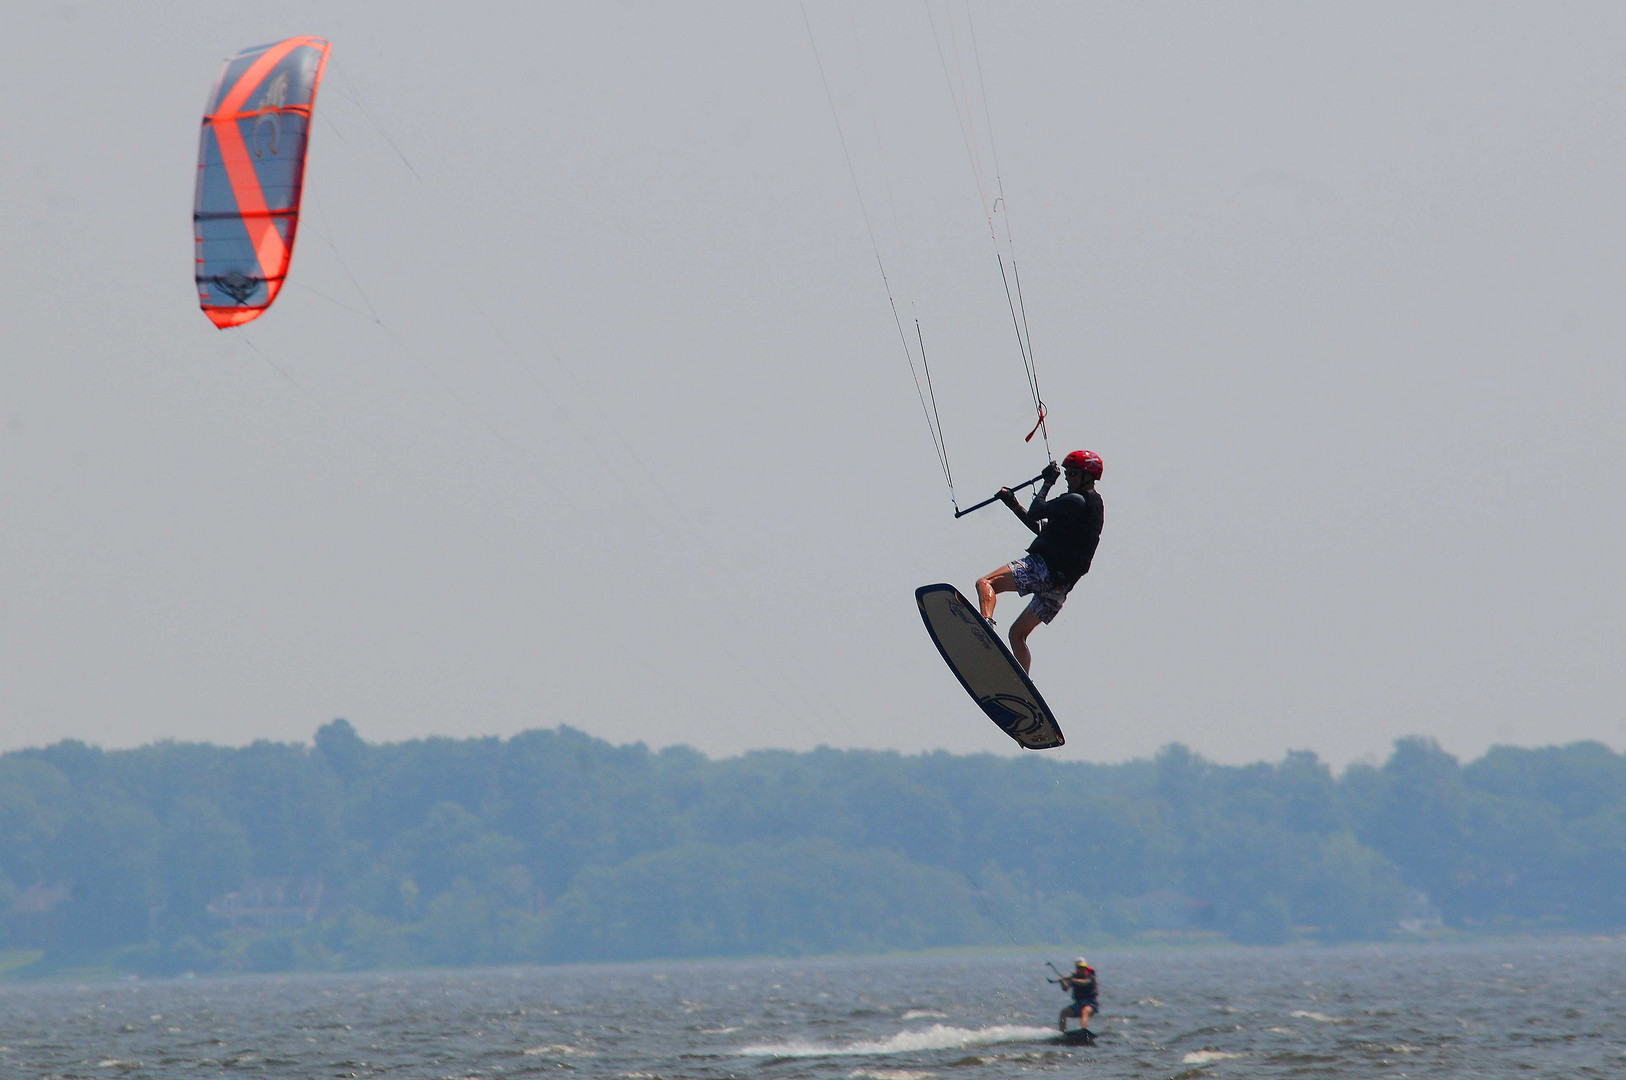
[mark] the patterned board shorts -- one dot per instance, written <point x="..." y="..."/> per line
<point x="1033" y="576"/>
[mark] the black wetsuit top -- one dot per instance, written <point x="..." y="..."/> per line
<point x="1072" y="529"/>
<point x="1084" y="989"/>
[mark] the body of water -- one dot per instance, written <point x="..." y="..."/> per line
<point x="1553" y="1009"/>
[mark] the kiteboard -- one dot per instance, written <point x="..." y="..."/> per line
<point x="1076" y="1037"/>
<point x="986" y="668"/>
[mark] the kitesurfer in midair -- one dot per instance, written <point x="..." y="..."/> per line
<point x="1084" y="990"/>
<point x="1058" y="557"/>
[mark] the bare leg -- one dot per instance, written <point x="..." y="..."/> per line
<point x="1020" y="629"/>
<point x="1084" y="1015"/>
<point x="1061" y="1021"/>
<point x="995" y="581"/>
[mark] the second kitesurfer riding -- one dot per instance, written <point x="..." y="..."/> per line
<point x="1086" y="998"/>
<point x="1058" y="556"/>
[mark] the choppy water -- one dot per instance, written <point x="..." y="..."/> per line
<point x="1550" y="1009"/>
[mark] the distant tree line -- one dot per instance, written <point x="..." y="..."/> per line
<point x="555" y="846"/>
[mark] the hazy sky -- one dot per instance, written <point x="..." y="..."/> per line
<point x="585" y="405"/>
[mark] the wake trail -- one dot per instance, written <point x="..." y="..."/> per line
<point x="936" y="1037"/>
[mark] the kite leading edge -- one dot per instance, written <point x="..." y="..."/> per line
<point x="251" y="171"/>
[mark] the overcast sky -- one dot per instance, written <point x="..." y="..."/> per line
<point x="585" y="405"/>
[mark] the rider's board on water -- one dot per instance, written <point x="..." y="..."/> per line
<point x="986" y="668"/>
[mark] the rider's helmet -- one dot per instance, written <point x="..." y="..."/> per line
<point x="1087" y="460"/>
<point x="1081" y="963"/>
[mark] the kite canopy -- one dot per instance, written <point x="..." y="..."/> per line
<point x="251" y="170"/>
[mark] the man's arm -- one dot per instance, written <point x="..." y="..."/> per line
<point x="1008" y="497"/>
<point x="1030" y="517"/>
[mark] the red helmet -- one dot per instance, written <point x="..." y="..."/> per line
<point x="1087" y="460"/>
